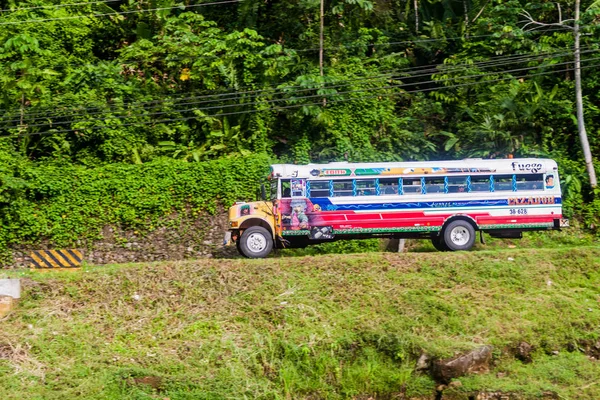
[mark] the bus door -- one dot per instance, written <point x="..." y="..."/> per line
<point x="293" y="205"/>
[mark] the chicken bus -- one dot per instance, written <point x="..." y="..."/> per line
<point x="446" y="202"/>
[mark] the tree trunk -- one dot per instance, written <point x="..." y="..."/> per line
<point x="466" y="11"/>
<point x="321" y="45"/>
<point x="587" y="154"/>
<point x="416" y="16"/>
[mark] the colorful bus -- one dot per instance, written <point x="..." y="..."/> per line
<point x="446" y="202"/>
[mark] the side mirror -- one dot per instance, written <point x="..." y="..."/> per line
<point x="263" y="192"/>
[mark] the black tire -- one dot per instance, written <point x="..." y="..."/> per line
<point x="255" y="242"/>
<point x="459" y="235"/>
<point x="438" y="242"/>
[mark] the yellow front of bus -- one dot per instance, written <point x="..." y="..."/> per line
<point x="252" y="227"/>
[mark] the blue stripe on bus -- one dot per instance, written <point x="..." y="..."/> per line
<point x="327" y="205"/>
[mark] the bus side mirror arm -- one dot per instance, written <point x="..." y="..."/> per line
<point x="263" y="192"/>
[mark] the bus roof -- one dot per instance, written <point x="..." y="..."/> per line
<point x="466" y="166"/>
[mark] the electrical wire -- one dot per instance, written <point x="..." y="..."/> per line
<point x="59" y="6"/>
<point x="119" y="13"/>
<point x="387" y="76"/>
<point x="279" y="108"/>
<point x="254" y="93"/>
<point x="252" y="103"/>
<point x="298" y="105"/>
<point x="126" y="62"/>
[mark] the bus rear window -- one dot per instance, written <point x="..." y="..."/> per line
<point x="530" y="182"/>
<point x="503" y="183"/>
<point x="480" y="183"/>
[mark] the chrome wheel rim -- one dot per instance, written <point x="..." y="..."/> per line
<point x="460" y="236"/>
<point x="256" y="242"/>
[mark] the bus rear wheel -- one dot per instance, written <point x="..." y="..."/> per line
<point x="459" y="235"/>
<point x="255" y="242"/>
<point x="438" y="242"/>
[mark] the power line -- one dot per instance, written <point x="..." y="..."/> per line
<point x="256" y="96"/>
<point x="126" y="62"/>
<point x="284" y="107"/>
<point x="254" y="93"/>
<point x="119" y="13"/>
<point x="59" y="6"/>
<point x="305" y="104"/>
<point x="288" y="107"/>
<point x="499" y="34"/>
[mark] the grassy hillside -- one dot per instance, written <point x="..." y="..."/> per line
<point x="330" y="326"/>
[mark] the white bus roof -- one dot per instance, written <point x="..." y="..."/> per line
<point x="466" y="166"/>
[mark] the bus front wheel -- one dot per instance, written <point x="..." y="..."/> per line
<point x="255" y="242"/>
<point x="459" y="235"/>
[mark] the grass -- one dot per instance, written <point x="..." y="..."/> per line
<point x="312" y="327"/>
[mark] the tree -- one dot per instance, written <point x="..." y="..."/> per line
<point x="585" y="145"/>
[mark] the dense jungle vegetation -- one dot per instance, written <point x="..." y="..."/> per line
<point x="92" y="84"/>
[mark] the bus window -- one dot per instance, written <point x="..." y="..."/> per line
<point x="480" y="183"/>
<point x="530" y="182"/>
<point x="503" y="183"/>
<point x="388" y="186"/>
<point x="286" y="189"/>
<point x="342" y="188"/>
<point x="298" y="187"/>
<point x="457" y="184"/>
<point x="319" y="189"/>
<point x="434" y="185"/>
<point x="366" y="187"/>
<point x="411" y="185"/>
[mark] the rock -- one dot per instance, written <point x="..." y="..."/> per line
<point x="475" y="361"/>
<point x="10" y="287"/>
<point x="455" y="384"/>
<point x="423" y="363"/>
<point x="524" y="350"/>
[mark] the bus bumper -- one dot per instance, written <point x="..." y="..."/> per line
<point x="227" y="239"/>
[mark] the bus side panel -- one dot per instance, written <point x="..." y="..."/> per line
<point x="345" y="216"/>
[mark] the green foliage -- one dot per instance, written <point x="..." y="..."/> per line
<point x="232" y="80"/>
<point x="69" y="205"/>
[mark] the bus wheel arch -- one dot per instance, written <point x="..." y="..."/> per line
<point x="255" y="239"/>
<point x="458" y="233"/>
<point x="256" y="222"/>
